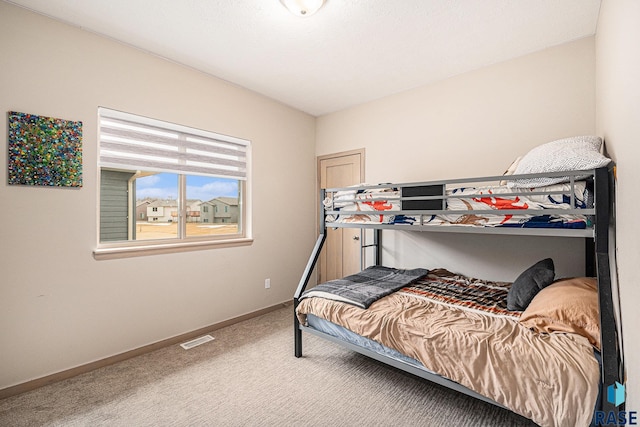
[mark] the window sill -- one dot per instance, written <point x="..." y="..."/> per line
<point x="105" y="253"/>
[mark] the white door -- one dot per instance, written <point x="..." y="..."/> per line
<point x="341" y="253"/>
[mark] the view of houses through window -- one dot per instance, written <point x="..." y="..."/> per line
<point x="211" y="206"/>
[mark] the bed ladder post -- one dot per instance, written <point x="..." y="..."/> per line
<point x="304" y="281"/>
<point x="297" y="333"/>
<point x="612" y="369"/>
<point x="589" y="257"/>
<point x="377" y="241"/>
<point x="306" y="276"/>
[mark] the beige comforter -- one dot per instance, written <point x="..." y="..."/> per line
<point x="551" y="379"/>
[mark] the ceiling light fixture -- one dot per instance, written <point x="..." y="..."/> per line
<point x="303" y="7"/>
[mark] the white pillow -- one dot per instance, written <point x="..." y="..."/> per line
<point x="511" y="169"/>
<point x="576" y="153"/>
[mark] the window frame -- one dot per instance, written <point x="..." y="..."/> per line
<point x="181" y="243"/>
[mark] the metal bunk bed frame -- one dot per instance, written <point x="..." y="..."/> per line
<point x="597" y="263"/>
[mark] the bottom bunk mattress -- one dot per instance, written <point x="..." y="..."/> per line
<point x="552" y="379"/>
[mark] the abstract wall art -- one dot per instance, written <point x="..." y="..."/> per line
<point x="44" y="151"/>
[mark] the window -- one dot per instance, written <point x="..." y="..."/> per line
<point x="158" y="180"/>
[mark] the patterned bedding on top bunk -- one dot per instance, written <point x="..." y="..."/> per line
<point x="580" y="153"/>
<point x="461" y="329"/>
<point x="371" y="205"/>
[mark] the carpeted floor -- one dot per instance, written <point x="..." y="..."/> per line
<point x="248" y="376"/>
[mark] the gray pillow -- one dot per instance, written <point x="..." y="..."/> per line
<point x="529" y="283"/>
<point x="576" y="153"/>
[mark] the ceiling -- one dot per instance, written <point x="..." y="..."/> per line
<point x="350" y="52"/>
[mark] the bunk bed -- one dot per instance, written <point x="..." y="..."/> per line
<point x="569" y="203"/>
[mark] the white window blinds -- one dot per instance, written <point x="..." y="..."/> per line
<point x="133" y="142"/>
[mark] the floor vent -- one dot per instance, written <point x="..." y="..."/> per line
<point x="196" y="342"/>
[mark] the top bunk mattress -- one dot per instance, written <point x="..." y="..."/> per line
<point x="484" y="206"/>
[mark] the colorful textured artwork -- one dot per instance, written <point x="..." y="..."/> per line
<point x="44" y="151"/>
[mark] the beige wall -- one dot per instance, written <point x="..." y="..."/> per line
<point x="474" y="124"/>
<point x="60" y="308"/>
<point x="618" y="121"/>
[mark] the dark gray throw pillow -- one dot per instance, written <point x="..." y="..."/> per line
<point x="529" y="283"/>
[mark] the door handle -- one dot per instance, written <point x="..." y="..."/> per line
<point x="356" y="237"/>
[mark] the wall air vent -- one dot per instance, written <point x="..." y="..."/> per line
<point x="196" y="342"/>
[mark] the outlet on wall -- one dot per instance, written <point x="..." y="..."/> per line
<point x="267" y="283"/>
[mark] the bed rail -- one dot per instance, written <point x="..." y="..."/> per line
<point x="612" y="368"/>
<point x="437" y="205"/>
